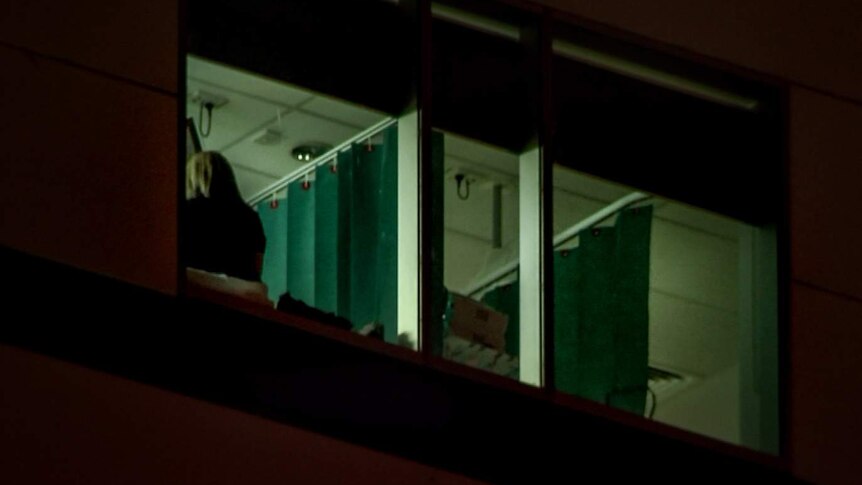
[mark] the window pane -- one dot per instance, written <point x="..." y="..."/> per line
<point x="314" y="121"/>
<point x="483" y="148"/>
<point x="665" y="279"/>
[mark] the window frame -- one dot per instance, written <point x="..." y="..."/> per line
<point x="540" y="39"/>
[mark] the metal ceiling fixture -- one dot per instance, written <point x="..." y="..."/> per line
<point x="307" y="152"/>
<point x="207" y="101"/>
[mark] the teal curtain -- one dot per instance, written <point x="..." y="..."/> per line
<point x="602" y="316"/>
<point x="274" y="222"/>
<point x="601" y="292"/>
<point x="345" y="190"/>
<point x="584" y="325"/>
<point x="334" y="245"/>
<point x="301" y="241"/>
<point x="332" y="250"/>
<point x="631" y="337"/>
<point x="374" y="234"/>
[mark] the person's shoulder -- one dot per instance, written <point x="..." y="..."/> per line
<point x="256" y="227"/>
<point x="249" y="216"/>
<point x="248" y="212"/>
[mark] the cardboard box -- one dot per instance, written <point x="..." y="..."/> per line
<point x="478" y="323"/>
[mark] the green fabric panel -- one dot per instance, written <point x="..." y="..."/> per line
<point x="507" y="299"/>
<point x="345" y="191"/>
<point x="632" y="322"/>
<point x="388" y="245"/>
<point x="363" y="236"/>
<point x="300" y="242"/>
<point x="439" y="294"/>
<point x="374" y="236"/>
<point x="327" y="237"/>
<point x="274" y="222"/>
<point x="601" y="302"/>
<point x="584" y="306"/>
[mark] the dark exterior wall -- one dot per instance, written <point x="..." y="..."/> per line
<point x="89" y="136"/>
<point x="826" y="386"/>
<point x="814" y="44"/>
<point x="825" y="200"/>
<point x="826" y="309"/>
<point x="135" y="41"/>
<point x="62" y="423"/>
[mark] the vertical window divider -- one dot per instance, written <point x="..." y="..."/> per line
<point x="545" y="124"/>
<point x="536" y="216"/>
<point x="428" y="330"/>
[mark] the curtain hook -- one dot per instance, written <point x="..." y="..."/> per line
<point x="273" y="203"/>
<point x="306" y="184"/>
<point x="459" y="179"/>
<point x="209" y="107"/>
<point x="333" y="167"/>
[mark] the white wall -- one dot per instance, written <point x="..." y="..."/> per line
<point x="710" y="407"/>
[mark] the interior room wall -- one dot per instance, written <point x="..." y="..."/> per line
<point x="711" y="407"/>
<point x="470" y="255"/>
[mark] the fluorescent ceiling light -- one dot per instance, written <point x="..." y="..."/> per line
<point x="654" y="76"/>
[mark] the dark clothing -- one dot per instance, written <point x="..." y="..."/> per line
<point x="223" y="238"/>
<point x="289" y="304"/>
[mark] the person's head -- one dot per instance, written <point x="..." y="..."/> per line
<point x="208" y="174"/>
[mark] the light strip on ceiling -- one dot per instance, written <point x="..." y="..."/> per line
<point x="602" y="60"/>
<point x="653" y="76"/>
<point x="476" y="22"/>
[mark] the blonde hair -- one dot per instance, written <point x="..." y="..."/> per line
<point x="199" y="175"/>
<point x="208" y="174"/>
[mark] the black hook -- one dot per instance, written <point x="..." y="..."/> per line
<point x="459" y="178"/>
<point x="209" y="106"/>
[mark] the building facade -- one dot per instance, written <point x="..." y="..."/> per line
<point x="91" y="181"/>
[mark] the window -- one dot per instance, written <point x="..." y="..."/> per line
<point x="327" y="178"/>
<point x="665" y="284"/>
<point x="594" y="217"/>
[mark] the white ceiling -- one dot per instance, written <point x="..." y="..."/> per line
<point x="255" y="104"/>
<point x="693" y="281"/>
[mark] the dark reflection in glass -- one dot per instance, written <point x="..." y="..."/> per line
<point x="666" y="187"/>
<point x="484" y="116"/>
<point x="364" y="51"/>
<point x="313" y="105"/>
